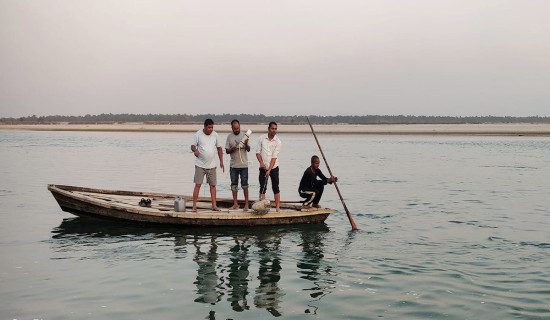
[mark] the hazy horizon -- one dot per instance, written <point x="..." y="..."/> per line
<point x="246" y="117"/>
<point x="421" y="58"/>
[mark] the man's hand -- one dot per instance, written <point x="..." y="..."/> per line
<point x="262" y="164"/>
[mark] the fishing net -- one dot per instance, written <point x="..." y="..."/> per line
<point x="261" y="206"/>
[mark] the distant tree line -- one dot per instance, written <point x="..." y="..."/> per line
<point x="260" y="118"/>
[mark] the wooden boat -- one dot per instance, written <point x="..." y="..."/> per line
<point x="124" y="205"/>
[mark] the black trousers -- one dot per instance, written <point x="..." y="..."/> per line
<point x="274" y="175"/>
<point x="313" y="196"/>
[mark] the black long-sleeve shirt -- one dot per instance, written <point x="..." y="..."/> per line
<point x="309" y="179"/>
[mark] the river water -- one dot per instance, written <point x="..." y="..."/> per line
<point x="453" y="227"/>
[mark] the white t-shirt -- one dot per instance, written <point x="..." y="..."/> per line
<point x="269" y="149"/>
<point x="208" y="149"/>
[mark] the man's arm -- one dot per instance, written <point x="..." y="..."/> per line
<point x="322" y="176"/>
<point x="194" y="145"/>
<point x="325" y="179"/>
<point x="195" y="150"/>
<point x="258" y="154"/>
<point x="220" y="155"/>
<point x="228" y="149"/>
<point x="259" y="157"/>
<point x="271" y="165"/>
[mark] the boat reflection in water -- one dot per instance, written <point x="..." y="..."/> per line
<point x="241" y="266"/>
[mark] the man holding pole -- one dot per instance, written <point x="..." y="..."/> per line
<point x="267" y="153"/>
<point x="353" y="226"/>
<point x="312" y="184"/>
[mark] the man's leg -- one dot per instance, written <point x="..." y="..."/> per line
<point x="235" y="203"/>
<point x="198" y="178"/>
<point x="213" y="195"/>
<point x="262" y="179"/>
<point x="211" y="178"/>
<point x="309" y="196"/>
<point x="318" y="195"/>
<point x="196" y="196"/>
<point x="277" y="201"/>
<point x="245" y="199"/>
<point x="234" y="175"/>
<point x="275" y="185"/>
<point x="244" y="185"/>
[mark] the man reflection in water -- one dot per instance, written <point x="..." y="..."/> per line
<point x="309" y="266"/>
<point x="268" y="293"/>
<point x="207" y="279"/>
<point x="238" y="275"/>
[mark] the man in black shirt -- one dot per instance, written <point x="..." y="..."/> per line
<point x="313" y="183"/>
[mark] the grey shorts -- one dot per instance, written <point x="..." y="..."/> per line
<point x="209" y="173"/>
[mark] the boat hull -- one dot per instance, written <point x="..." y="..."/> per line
<point x="123" y="205"/>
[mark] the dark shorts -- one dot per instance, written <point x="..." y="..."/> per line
<point x="274" y="176"/>
<point x="234" y="173"/>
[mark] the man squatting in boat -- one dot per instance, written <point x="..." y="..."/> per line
<point x="236" y="145"/>
<point x="205" y="144"/>
<point x="312" y="184"/>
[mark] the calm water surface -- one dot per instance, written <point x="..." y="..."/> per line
<point x="449" y="227"/>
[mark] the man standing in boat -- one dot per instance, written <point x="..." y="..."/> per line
<point x="267" y="153"/>
<point x="312" y="184"/>
<point x="205" y="145"/>
<point x="236" y="145"/>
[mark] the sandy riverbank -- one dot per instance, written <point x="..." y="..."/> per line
<point x="456" y="129"/>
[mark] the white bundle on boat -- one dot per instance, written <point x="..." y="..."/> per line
<point x="261" y="206"/>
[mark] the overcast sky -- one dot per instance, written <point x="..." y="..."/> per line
<point x="317" y="57"/>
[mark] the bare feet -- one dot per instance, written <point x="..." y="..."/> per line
<point x="245" y="208"/>
<point x="194" y="210"/>
<point x="306" y="208"/>
<point x="235" y="207"/>
<point x="317" y="206"/>
<point x="216" y="209"/>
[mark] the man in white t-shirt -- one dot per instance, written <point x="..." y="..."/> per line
<point x="205" y="145"/>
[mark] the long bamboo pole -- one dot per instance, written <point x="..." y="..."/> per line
<point x="353" y="226"/>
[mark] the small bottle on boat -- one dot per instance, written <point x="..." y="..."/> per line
<point x="179" y="205"/>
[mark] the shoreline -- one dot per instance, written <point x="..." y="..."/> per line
<point x="533" y="129"/>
